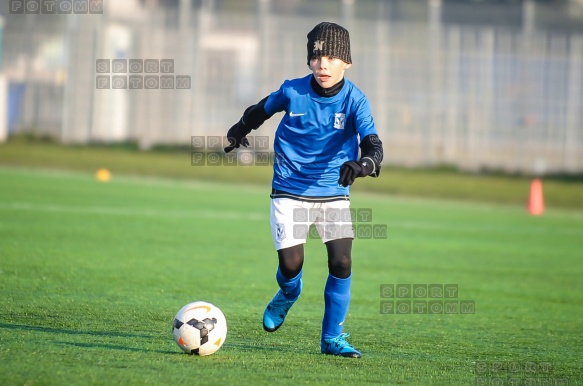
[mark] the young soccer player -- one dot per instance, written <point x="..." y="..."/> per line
<point x="317" y="158"/>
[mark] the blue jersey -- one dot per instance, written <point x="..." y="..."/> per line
<point x="316" y="136"/>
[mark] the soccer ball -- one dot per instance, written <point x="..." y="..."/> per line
<point x="200" y="328"/>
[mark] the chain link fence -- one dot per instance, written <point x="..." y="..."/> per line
<point x="448" y="86"/>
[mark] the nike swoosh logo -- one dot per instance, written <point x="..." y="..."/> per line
<point x="291" y="114"/>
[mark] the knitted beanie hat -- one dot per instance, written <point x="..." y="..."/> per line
<point x="329" y="39"/>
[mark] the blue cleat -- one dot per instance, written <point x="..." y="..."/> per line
<point x="339" y="346"/>
<point x="276" y="311"/>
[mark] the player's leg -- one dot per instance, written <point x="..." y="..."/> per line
<point x="290" y="252"/>
<point x="289" y="272"/>
<point x="337" y="299"/>
<point x="337" y="289"/>
<point x="339" y="257"/>
<point x="289" y="279"/>
<point x="291" y="260"/>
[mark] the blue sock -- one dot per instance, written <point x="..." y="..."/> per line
<point x="291" y="287"/>
<point x="336" y="300"/>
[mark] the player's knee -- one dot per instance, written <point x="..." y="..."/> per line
<point x="290" y="269"/>
<point x="291" y="261"/>
<point x="340" y="265"/>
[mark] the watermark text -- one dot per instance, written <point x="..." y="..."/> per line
<point x="517" y="373"/>
<point x="139" y="74"/>
<point x="433" y="299"/>
<point x="56" y="7"/>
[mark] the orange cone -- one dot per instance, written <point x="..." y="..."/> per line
<point x="536" y="205"/>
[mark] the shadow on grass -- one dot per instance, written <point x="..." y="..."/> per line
<point x="258" y="348"/>
<point x="52" y="330"/>
<point x="238" y="346"/>
<point x="116" y="347"/>
<point x="241" y="347"/>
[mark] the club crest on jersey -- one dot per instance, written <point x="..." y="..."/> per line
<point x="339" y="119"/>
<point x="279" y="232"/>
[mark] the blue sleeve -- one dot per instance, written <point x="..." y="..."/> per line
<point x="364" y="121"/>
<point x="276" y="101"/>
<point x="370" y="145"/>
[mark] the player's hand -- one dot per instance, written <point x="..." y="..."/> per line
<point x="351" y="170"/>
<point x="237" y="137"/>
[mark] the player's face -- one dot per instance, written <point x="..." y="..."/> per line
<point x="328" y="70"/>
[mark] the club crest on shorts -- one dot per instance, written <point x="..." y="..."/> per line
<point x="339" y="119"/>
<point x="279" y="232"/>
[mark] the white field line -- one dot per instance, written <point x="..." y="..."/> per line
<point x="207" y="185"/>
<point x="128" y="179"/>
<point x="235" y="215"/>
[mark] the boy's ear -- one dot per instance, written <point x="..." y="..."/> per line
<point x="347" y="66"/>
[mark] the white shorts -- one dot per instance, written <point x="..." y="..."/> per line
<point x="291" y="220"/>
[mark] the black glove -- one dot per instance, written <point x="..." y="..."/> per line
<point x="351" y="170"/>
<point x="237" y="136"/>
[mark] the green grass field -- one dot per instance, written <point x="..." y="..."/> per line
<point x="564" y="192"/>
<point x="92" y="274"/>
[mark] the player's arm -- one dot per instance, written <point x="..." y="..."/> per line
<point x="369" y="164"/>
<point x="371" y="148"/>
<point x="252" y="118"/>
